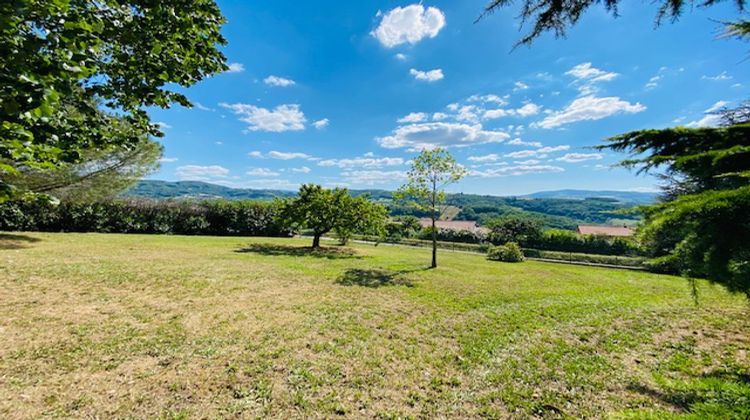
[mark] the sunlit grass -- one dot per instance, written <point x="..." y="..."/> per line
<point x="147" y="326"/>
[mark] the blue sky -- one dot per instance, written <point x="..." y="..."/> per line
<point x="345" y="93"/>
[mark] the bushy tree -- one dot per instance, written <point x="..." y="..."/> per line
<point x="514" y="229"/>
<point x="324" y="210"/>
<point x="77" y="75"/>
<point x="701" y="228"/>
<point x="431" y="172"/>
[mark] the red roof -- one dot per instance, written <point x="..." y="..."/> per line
<point x="605" y="230"/>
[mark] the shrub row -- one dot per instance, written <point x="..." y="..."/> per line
<point x="566" y="241"/>
<point x="637" y="262"/>
<point x="213" y="217"/>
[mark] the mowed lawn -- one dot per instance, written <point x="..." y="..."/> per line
<point x="96" y="325"/>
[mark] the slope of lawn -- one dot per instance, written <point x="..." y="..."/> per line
<point x="95" y="325"/>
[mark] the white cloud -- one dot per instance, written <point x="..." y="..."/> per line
<point x="519" y="86"/>
<point x="427" y="76"/>
<point x="261" y="172"/>
<point x="280" y="119"/>
<point x="202" y="107"/>
<point x="321" y="124"/>
<point x="492" y="157"/>
<point x="528" y="162"/>
<point x="302" y="170"/>
<point x="439" y="116"/>
<point x="580" y="157"/>
<point x="401" y="57"/>
<point x="168" y="160"/>
<point x="526" y="110"/>
<point x="516" y="171"/>
<point x="289" y="155"/>
<point x="278" y="81"/>
<point x="439" y="134"/>
<point x="163" y="125"/>
<point x="196" y="172"/>
<point x="255" y="154"/>
<point x="589" y="108"/>
<point x="653" y="82"/>
<point x="488" y="98"/>
<point x="413" y="117"/>
<point x="373" y="177"/>
<point x="235" y="68"/>
<point x="723" y="76"/>
<point x="717" y="106"/>
<point x="519" y="142"/>
<point x="408" y="24"/>
<point x="468" y="113"/>
<point x="539" y="153"/>
<point x="587" y="76"/>
<point x="362" y="162"/>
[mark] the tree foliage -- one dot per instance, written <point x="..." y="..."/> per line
<point x="77" y="75"/>
<point x="324" y="210"/>
<point x="557" y="16"/>
<point x="431" y="172"/>
<point x="701" y="228"/>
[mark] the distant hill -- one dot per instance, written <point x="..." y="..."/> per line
<point x="555" y="209"/>
<point x="633" y="197"/>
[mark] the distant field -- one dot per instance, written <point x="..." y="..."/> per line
<point x="96" y="325"/>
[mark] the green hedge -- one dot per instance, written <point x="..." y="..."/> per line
<point x="184" y="217"/>
<point x="637" y="262"/>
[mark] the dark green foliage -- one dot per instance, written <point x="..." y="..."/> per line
<point x="566" y="241"/>
<point x="510" y="252"/>
<point x="701" y="229"/>
<point x="78" y="75"/>
<point x="557" y="16"/>
<point x="451" y="235"/>
<point x="322" y="210"/>
<point x="520" y="230"/>
<point x="236" y="218"/>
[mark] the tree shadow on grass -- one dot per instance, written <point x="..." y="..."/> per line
<point x="330" y="253"/>
<point x="11" y="241"/>
<point x="375" y="278"/>
<point x="726" y="390"/>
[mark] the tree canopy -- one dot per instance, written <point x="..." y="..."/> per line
<point x="324" y="210"/>
<point x="77" y="75"/>
<point x="431" y="172"/>
<point x="701" y="228"/>
<point x="557" y="16"/>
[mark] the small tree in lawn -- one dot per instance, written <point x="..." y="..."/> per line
<point x="430" y="173"/>
<point x="322" y="210"/>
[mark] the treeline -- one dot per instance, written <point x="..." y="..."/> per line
<point x="181" y="217"/>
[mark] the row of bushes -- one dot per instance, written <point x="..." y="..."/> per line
<point x="183" y="217"/>
<point x="567" y="241"/>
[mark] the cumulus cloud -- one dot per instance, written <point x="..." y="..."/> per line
<point x="301" y="170"/>
<point x="580" y="157"/>
<point x="235" y="68"/>
<point x="519" y="86"/>
<point x="515" y="171"/>
<point x="261" y="172"/>
<point x="589" y="108"/>
<point x="255" y="154"/>
<point x="198" y="173"/>
<point x="440" y="134"/>
<point x="542" y="152"/>
<point x="362" y="162"/>
<point x="321" y="124"/>
<point x="488" y="98"/>
<point x="280" y="119"/>
<point x="168" y="160"/>
<point x="278" y="81"/>
<point x="289" y="155"/>
<point x="519" y="142"/>
<point x="587" y="76"/>
<point x="401" y="57"/>
<point x="492" y="157"/>
<point x="373" y="177"/>
<point x="711" y="119"/>
<point x="413" y="117"/>
<point x="427" y="76"/>
<point x="526" y="110"/>
<point x="408" y="24"/>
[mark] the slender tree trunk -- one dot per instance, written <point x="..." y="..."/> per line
<point x="434" y="242"/>
<point x="316" y="241"/>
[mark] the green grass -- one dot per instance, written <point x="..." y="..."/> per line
<point x="96" y="325"/>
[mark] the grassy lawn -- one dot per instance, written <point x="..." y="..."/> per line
<point x="193" y="327"/>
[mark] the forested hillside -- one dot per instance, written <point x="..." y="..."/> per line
<point x="598" y="207"/>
